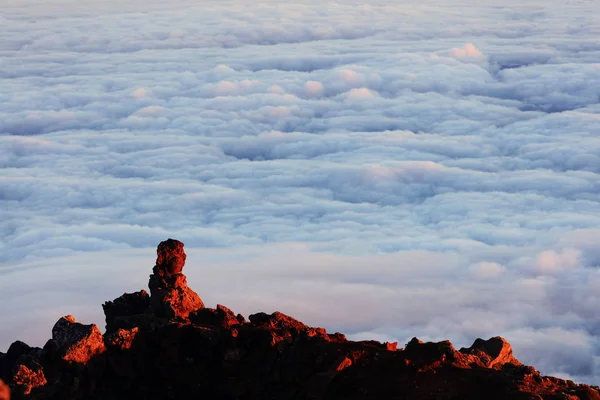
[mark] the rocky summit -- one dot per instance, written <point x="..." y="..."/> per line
<point x="168" y="345"/>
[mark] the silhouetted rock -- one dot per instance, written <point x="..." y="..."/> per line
<point x="221" y="316"/>
<point x="126" y="311"/>
<point x="430" y="354"/>
<point x="168" y="346"/>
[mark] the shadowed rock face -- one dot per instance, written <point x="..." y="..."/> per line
<point x="126" y="311"/>
<point x="167" y="345"/>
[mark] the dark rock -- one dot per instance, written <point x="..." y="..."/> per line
<point x="430" y="354"/>
<point x="221" y="316"/>
<point x="16" y="350"/>
<point x="121" y="311"/>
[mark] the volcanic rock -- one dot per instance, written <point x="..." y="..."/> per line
<point x="170" y="258"/>
<point x="74" y="342"/>
<point x="4" y="391"/>
<point x="430" y="354"/>
<point x="221" y="316"/>
<point x="168" y="346"/>
<point x="170" y="295"/>
<point x="126" y="311"/>
<point x="27" y="378"/>
<point x="492" y="353"/>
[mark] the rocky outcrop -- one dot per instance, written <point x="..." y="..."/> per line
<point x="167" y="345"/>
<point x="170" y="295"/>
<point x="126" y="311"/>
<point x="492" y="353"/>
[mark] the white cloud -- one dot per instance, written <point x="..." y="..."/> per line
<point x="469" y="51"/>
<point x="313" y="89"/>
<point x="404" y="149"/>
<point x="485" y="269"/>
<point x="360" y="94"/>
<point x="140" y="93"/>
<point x="550" y="261"/>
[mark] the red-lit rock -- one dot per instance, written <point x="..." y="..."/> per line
<point x="170" y="296"/>
<point x="492" y="353"/>
<point x="170" y="258"/>
<point x="27" y="378"/>
<point x="74" y="342"/>
<point x="4" y="391"/>
<point x="168" y="346"/>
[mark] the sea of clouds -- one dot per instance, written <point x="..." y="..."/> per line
<point x="387" y="170"/>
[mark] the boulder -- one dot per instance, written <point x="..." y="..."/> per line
<point x="126" y="311"/>
<point x="74" y="342"/>
<point x="221" y="317"/>
<point x="492" y="353"/>
<point x="430" y="354"/>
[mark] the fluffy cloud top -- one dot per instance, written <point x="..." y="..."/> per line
<point x="446" y="175"/>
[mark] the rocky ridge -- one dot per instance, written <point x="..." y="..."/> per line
<point x="168" y="345"/>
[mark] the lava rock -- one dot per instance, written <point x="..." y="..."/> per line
<point x="27" y="378"/>
<point x="170" y="296"/>
<point x="74" y="342"/>
<point x="121" y="311"/>
<point x="492" y="353"/>
<point x="170" y="258"/>
<point x="4" y="391"/>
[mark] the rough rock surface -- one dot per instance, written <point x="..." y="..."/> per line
<point x="74" y="342"/>
<point x="4" y="391"/>
<point x="492" y="353"/>
<point x="126" y="311"/>
<point x="196" y="352"/>
<point x="170" y="258"/>
<point x="170" y="295"/>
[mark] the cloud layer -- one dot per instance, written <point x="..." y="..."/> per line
<point x="436" y="166"/>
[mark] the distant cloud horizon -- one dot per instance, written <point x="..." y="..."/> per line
<point x="449" y="154"/>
